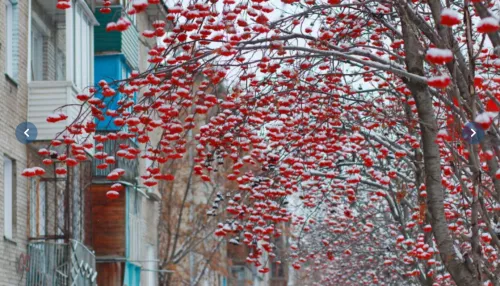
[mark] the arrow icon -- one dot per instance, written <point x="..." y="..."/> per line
<point x="26" y="132"/>
<point x="472" y="133"/>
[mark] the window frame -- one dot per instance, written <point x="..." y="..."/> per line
<point x="10" y="38"/>
<point x="39" y="59"/>
<point x="9" y="197"/>
<point x="38" y="197"/>
<point x="82" y="47"/>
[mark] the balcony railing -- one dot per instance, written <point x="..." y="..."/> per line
<point x="110" y="148"/>
<point x="52" y="263"/>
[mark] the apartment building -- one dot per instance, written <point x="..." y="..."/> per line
<point x="53" y="225"/>
<point x="125" y="229"/>
<point x="59" y="66"/>
<point x="13" y="110"/>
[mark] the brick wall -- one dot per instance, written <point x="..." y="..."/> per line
<point x="13" y="110"/>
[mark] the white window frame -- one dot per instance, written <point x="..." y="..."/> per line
<point x="60" y="65"/>
<point x="10" y="70"/>
<point x="37" y="52"/>
<point x="80" y="62"/>
<point x="40" y="28"/>
<point x="8" y="196"/>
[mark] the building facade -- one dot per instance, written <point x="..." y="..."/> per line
<point x="56" y="228"/>
<point x="13" y="110"/>
<point x="125" y="229"/>
<point x="60" y="65"/>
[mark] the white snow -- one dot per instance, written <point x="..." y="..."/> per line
<point x="442" y="132"/>
<point x="439" y="78"/>
<point x="492" y="21"/>
<point x="435" y="52"/>
<point x="489" y="22"/>
<point x="482" y="118"/>
<point x="451" y="13"/>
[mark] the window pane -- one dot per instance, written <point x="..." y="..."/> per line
<point x="33" y="209"/>
<point x="61" y="52"/>
<point x="41" y="211"/>
<point x="7" y="187"/>
<point x="60" y="67"/>
<point x="37" y="55"/>
<point x="9" y="25"/>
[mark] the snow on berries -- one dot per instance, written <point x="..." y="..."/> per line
<point x="34" y="171"/>
<point x="112" y="195"/>
<point x="63" y="4"/>
<point x="56" y="117"/>
<point x="488" y="25"/>
<point x="439" y="56"/>
<point x="484" y="120"/>
<point x="450" y="17"/>
<point x="439" y="81"/>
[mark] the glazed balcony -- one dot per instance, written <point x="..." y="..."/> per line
<point x="60" y="62"/>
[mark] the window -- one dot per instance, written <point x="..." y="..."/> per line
<point x="77" y="224"/>
<point x="37" y="53"/>
<point x="277" y="270"/>
<point x="37" y="207"/>
<point x="11" y="43"/>
<point x="9" y="176"/>
<point x="238" y="274"/>
<point x="60" y="65"/>
<point x="82" y="47"/>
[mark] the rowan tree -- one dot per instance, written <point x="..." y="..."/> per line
<point x="346" y="117"/>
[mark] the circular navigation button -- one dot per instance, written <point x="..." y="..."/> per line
<point x="472" y="133"/>
<point x="26" y="132"/>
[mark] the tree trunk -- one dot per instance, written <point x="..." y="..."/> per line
<point x="432" y="167"/>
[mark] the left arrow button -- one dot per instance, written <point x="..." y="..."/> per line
<point x="26" y="132"/>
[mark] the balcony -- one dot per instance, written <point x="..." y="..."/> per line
<point x="52" y="263"/>
<point x="110" y="148"/>
<point x="44" y="97"/>
<point x="60" y="62"/>
<point x="126" y="43"/>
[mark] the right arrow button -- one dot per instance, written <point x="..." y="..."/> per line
<point x="472" y="133"/>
